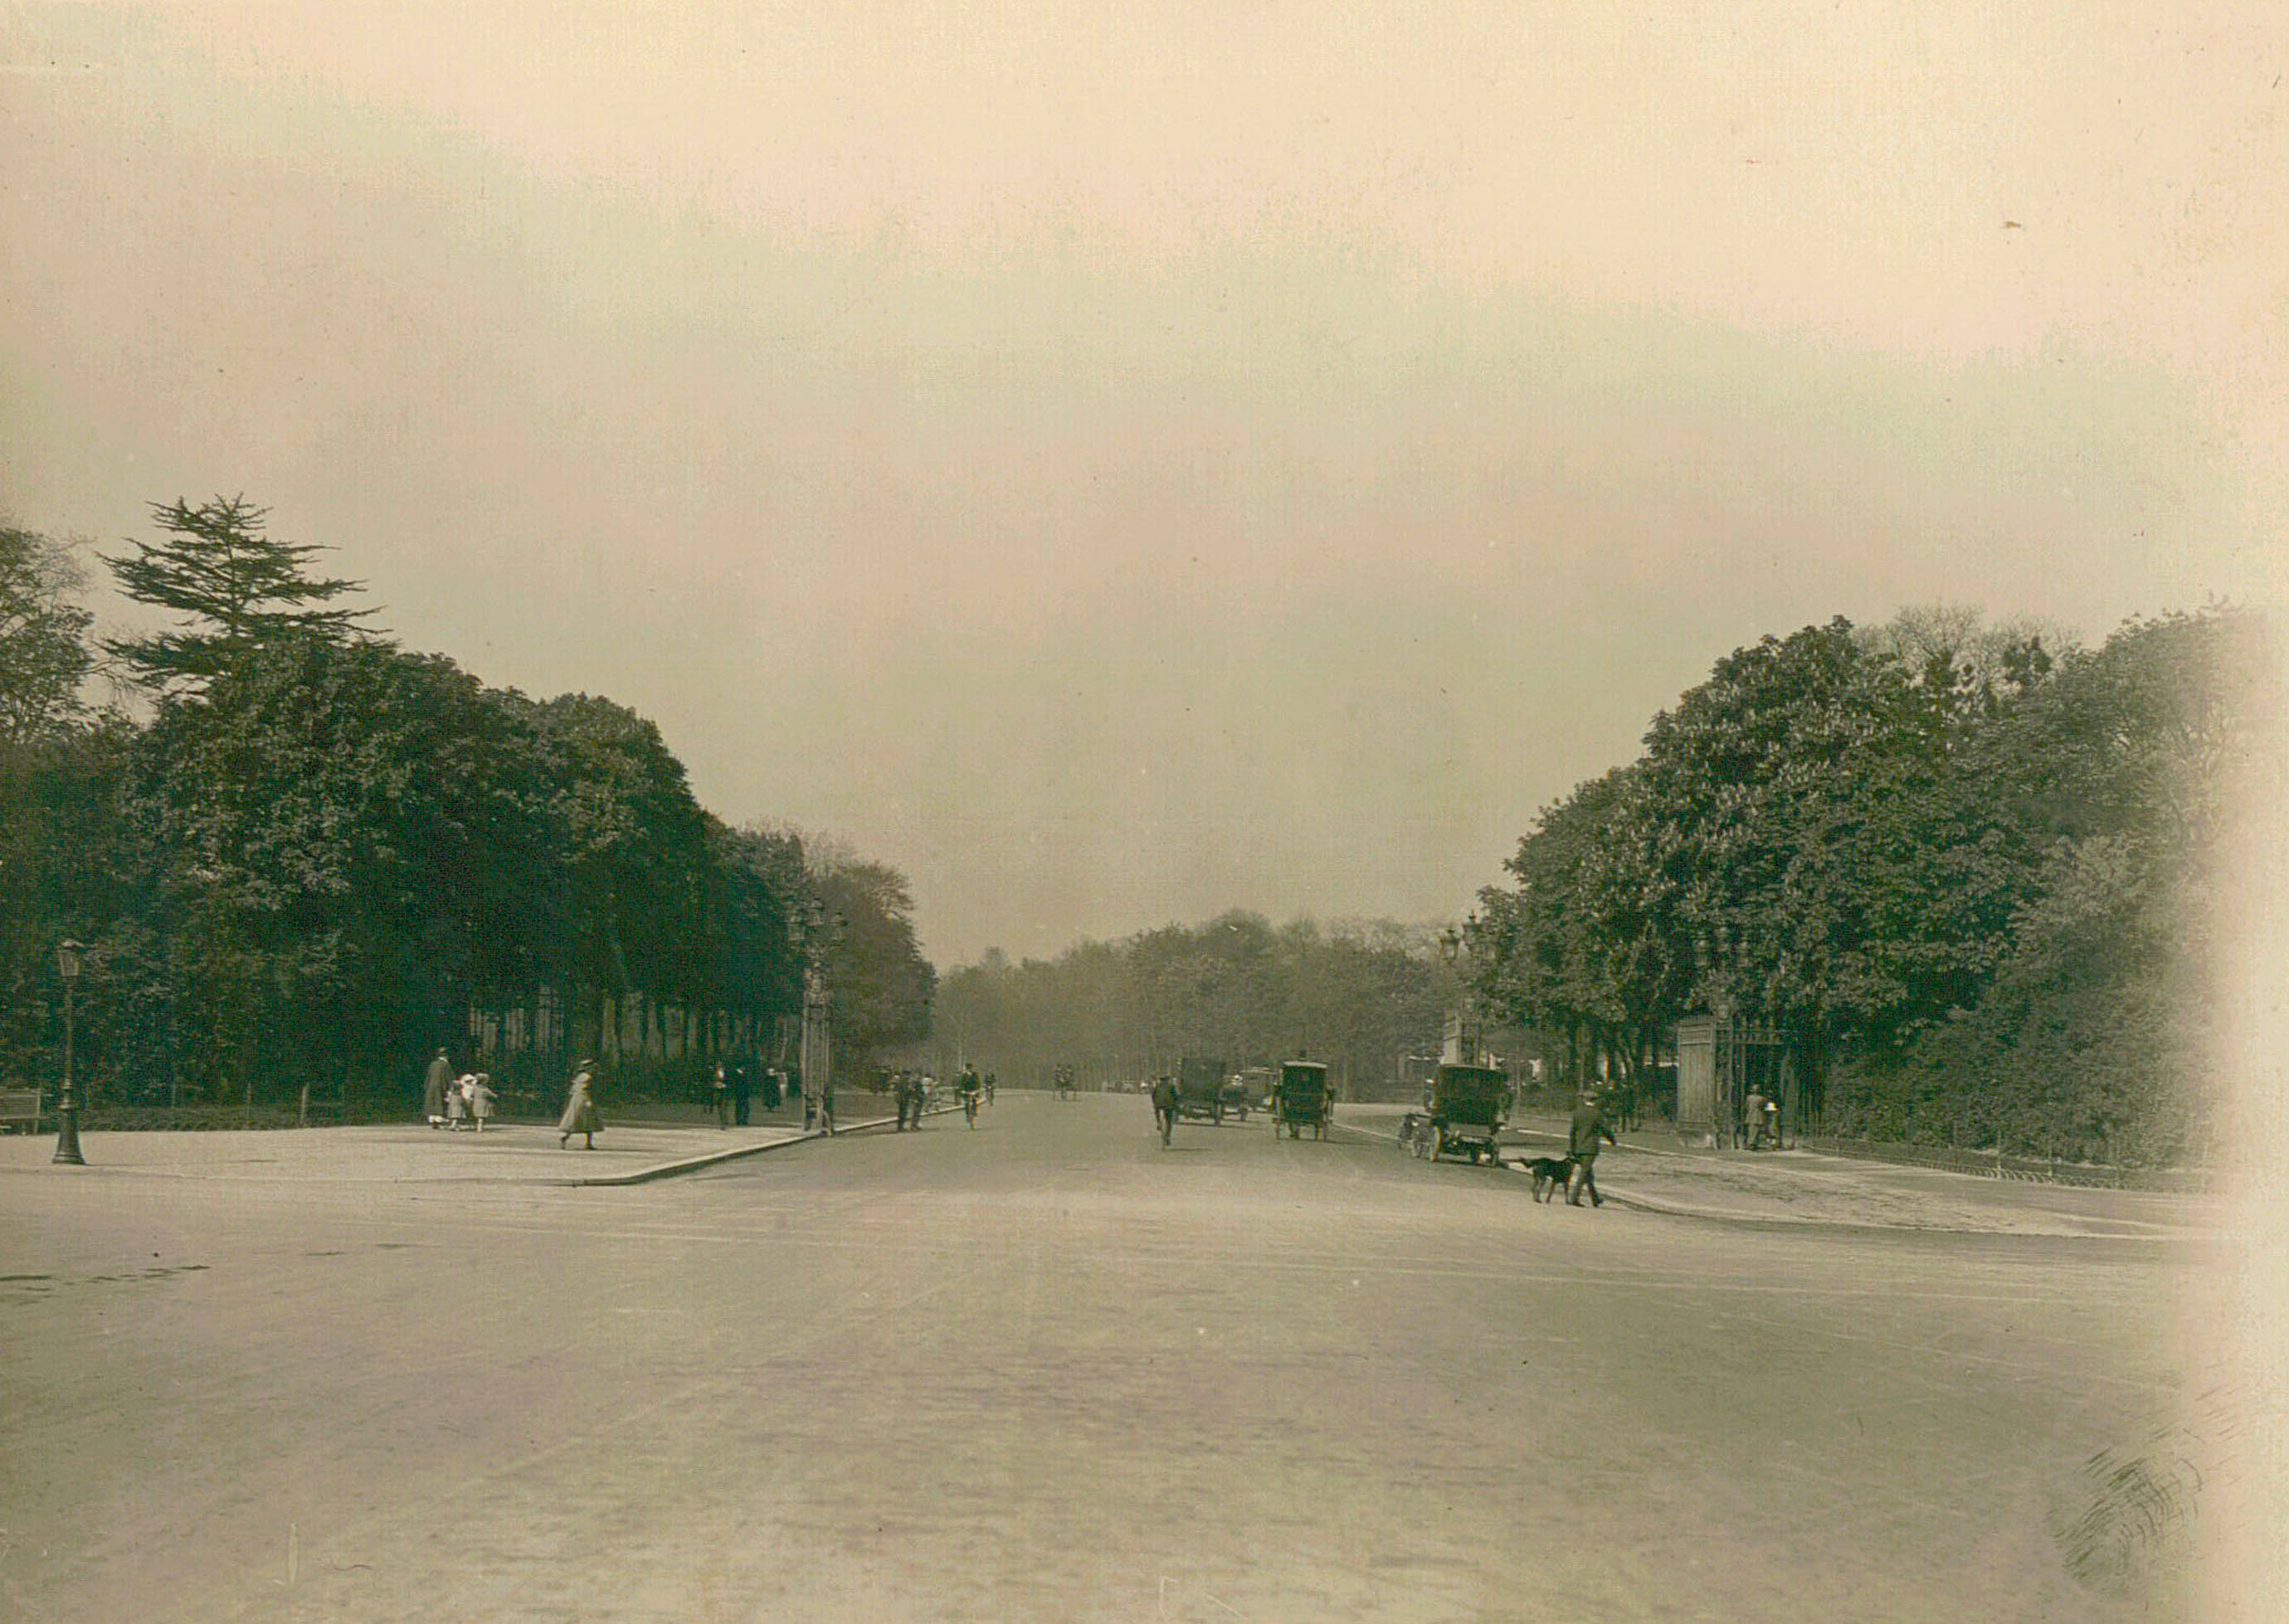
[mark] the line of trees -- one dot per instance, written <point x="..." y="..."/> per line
<point x="1961" y="873"/>
<point x="304" y="855"/>
<point x="1233" y="989"/>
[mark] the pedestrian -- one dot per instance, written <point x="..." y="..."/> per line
<point x="1773" y="1121"/>
<point x="1582" y="1136"/>
<point x="721" y="1091"/>
<point x="481" y="1098"/>
<point x="457" y="1103"/>
<point x="580" y="1115"/>
<point x="1753" y="1124"/>
<point x="1164" y="1109"/>
<point x="771" y="1089"/>
<point x="827" y="1106"/>
<point x="434" y="1084"/>
<point x="742" y="1089"/>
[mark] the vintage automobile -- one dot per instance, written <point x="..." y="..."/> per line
<point x="1464" y="1109"/>
<point x="1302" y="1100"/>
<point x="1199" y="1090"/>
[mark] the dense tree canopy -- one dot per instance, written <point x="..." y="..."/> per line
<point x="1233" y="989"/>
<point x="1954" y="867"/>
<point x="321" y="856"/>
<point x="43" y="654"/>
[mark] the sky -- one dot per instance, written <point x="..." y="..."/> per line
<point x="1119" y="463"/>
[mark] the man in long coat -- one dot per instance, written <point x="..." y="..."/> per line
<point x="434" y="1084"/>
<point x="1582" y="1136"/>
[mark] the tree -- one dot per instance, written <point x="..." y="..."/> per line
<point x="882" y="987"/>
<point x="237" y="588"/>
<point x="43" y="653"/>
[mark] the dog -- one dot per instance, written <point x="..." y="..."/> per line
<point x="1550" y="1174"/>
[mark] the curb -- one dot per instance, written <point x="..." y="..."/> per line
<point x="1781" y="1220"/>
<point x="693" y="1163"/>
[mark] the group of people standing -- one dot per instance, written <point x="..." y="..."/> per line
<point x="736" y="1085"/>
<point x="449" y="1101"/>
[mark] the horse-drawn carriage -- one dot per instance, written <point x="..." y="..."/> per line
<point x="1464" y="1109"/>
<point x="1301" y="1099"/>
<point x="1200" y="1094"/>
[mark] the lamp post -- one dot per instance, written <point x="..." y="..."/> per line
<point x="68" y="962"/>
<point x="1462" y="1044"/>
<point x="818" y="1059"/>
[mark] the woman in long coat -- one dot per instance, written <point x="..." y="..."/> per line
<point x="580" y="1110"/>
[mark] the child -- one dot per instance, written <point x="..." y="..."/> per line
<point x="481" y="1098"/>
<point x="457" y="1103"/>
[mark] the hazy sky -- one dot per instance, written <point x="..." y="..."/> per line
<point x="1118" y="462"/>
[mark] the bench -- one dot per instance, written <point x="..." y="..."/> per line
<point x="20" y="1109"/>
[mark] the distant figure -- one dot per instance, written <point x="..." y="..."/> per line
<point x="1773" y="1121"/>
<point x="827" y="1108"/>
<point x="771" y="1089"/>
<point x="1582" y="1136"/>
<point x="989" y="1088"/>
<point x="1752" y="1124"/>
<point x="434" y="1084"/>
<point x="1164" y="1109"/>
<point x="580" y="1116"/>
<point x="721" y="1089"/>
<point x="457" y="1103"/>
<point x="743" y="1089"/>
<point x="481" y="1098"/>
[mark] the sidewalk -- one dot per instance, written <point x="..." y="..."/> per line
<point x="513" y="1153"/>
<point x="1650" y="1172"/>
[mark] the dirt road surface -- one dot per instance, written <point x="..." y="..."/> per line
<point x="1044" y="1369"/>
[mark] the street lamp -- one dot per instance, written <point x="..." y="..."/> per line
<point x="68" y="963"/>
<point x="817" y="1062"/>
<point x="1464" y="1044"/>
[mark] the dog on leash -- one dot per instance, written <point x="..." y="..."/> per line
<point x="1550" y="1174"/>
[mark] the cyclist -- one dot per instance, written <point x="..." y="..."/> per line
<point x="970" y="1089"/>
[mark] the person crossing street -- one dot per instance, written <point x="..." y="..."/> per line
<point x="1582" y="1136"/>
<point x="1164" y="1109"/>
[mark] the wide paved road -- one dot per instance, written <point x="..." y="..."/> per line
<point x="1044" y="1369"/>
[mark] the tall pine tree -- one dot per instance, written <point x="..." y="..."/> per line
<point x="238" y="589"/>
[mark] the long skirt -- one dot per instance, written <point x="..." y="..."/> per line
<point x="580" y="1116"/>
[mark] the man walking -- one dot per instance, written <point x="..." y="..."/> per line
<point x="1164" y="1109"/>
<point x="1582" y="1136"/>
<point x="438" y="1078"/>
<point x="743" y="1089"/>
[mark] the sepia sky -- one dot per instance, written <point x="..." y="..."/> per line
<point x="1118" y="462"/>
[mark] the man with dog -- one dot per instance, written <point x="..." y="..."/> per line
<point x="1588" y="1126"/>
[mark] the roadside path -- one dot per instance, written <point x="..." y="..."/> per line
<point x="1810" y="1187"/>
